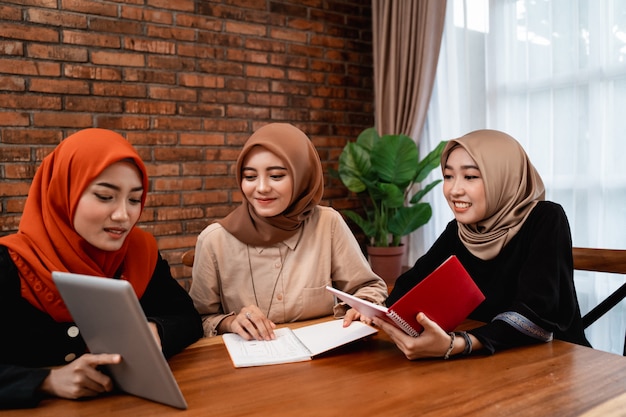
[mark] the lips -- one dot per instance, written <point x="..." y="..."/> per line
<point x="115" y="231"/>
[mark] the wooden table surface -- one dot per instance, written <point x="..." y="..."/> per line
<point x="373" y="378"/>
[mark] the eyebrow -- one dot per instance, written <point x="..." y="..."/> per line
<point x="116" y="188"/>
<point x="462" y="167"/>
<point x="267" y="169"/>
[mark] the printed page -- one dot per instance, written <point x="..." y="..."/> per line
<point x="285" y="348"/>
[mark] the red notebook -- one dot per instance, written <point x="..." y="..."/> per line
<point x="447" y="296"/>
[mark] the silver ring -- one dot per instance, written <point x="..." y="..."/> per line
<point x="249" y="316"/>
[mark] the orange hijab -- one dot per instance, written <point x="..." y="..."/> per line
<point x="297" y="152"/>
<point x="512" y="189"/>
<point x="46" y="240"/>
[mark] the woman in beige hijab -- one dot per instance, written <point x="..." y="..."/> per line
<point x="270" y="260"/>
<point x="516" y="246"/>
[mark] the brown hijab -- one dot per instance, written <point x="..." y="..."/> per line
<point x="46" y="240"/>
<point x="295" y="149"/>
<point x="512" y="189"/>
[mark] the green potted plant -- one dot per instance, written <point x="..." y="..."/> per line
<point x="383" y="170"/>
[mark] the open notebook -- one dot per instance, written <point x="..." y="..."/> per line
<point x="110" y="319"/>
<point x="297" y="345"/>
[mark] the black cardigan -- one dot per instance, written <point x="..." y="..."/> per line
<point x="532" y="276"/>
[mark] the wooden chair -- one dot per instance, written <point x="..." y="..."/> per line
<point x="188" y="256"/>
<point x="602" y="260"/>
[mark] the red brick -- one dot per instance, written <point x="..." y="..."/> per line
<point x="57" y="18"/>
<point x="205" y="168"/>
<point x="12" y="84"/>
<point x="14" y="188"/>
<point x="148" y="76"/>
<point x="29" y="33"/>
<point x="90" y="7"/>
<point x="204" y="197"/>
<point x="43" y="69"/>
<point x="105" y="25"/>
<point x="15" y="205"/>
<point x="118" y="59"/>
<point x="92" y="72"/>
<point x="203" y="139"/>
<point x="149" y="107"/>
<point x="149" y="45"/>
<point x="57" y="53"/>
<point x="10" y="12"/>
<point x="119" y="90"/>
<point x="172" y="93"/>
<point x="9" y="224"/>
<point x="91" y="39"/>
<point x="19" y="171"/>
<point x="60" y="86"/>
<point x="11" y="48"/>
<point x="147" y="15"/>
<point x="63" y="119"/>
<point x="152" y="138"/>
<point x="178" y="123"/>
<point x="31" y="136"/>
<point x="179" y="213"/>
<point x="161" y="184"/>
<point x="181" y="5"/>
<point x="123" y="122"/>
<point x="13" y="119"/>
<point x="91" y="104"/>
<point x="34" y="102"/>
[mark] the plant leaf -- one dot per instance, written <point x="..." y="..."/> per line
<point x="396" y="159"/>
<point x="368" y="138"/>
<point x="390" y="194"/>
<point x="354" y="167"/>
<point x="421" y="193"/>
<point x="409" y="219"/>
<point x="430" y="162"/>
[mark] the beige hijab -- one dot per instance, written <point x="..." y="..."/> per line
<point x="512" y="189"/>
<point x="295" y="149"/>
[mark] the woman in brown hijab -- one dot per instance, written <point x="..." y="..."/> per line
<point x="270" y="260"/>
<point x="516" y="246"/>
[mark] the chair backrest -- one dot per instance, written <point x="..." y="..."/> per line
<point x="187" y="258"/>
<point x="602" y="260"/>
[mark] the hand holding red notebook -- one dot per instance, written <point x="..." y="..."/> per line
<point x="447" y="296"/>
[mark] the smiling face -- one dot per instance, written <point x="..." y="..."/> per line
<point x="266" y="183"/>
<point x="110" y="206"/>
<point x="464" y="188"/>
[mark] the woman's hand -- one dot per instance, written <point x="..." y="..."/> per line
<point x="250" y="324"/>
<point x="353" y="315"/>
<point x="81" y="378"/>
<point x="432" y="342"/>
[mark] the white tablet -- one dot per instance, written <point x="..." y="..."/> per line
<point x="110" y="319"/>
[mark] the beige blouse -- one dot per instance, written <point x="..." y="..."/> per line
<point x="287" y="281"/>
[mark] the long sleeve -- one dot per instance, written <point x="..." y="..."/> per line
<point x="167" y="304"/>
<point x="19" y="386"/>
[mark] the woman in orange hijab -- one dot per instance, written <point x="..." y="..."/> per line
<point x="515" y="245"/>
<point x="80" y="216"/>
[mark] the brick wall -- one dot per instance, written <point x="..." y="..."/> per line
<point x="186" y="82"/>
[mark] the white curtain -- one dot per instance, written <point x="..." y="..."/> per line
<point x="552" y="73"/>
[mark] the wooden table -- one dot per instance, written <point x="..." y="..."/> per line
<point x="373" y="378"/>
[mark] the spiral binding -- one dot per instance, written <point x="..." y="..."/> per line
<point x="403" y="324"/>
